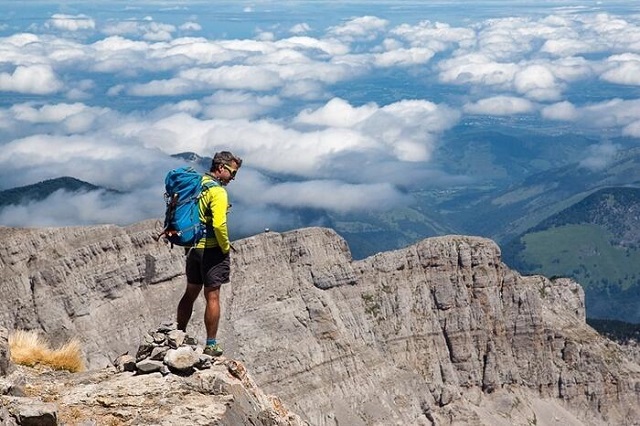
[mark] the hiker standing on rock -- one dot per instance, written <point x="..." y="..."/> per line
<point x="208" y="264"/>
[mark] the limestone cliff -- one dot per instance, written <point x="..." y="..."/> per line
<point x="437" y="333"/>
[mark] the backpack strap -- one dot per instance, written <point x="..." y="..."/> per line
<point x="206" y="185"/>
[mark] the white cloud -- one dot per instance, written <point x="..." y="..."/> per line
<point x="598" y="157"/>
<point x="66" y="118"/>
<point x="226" y="77"/>
<point x="190" y="26"/>
<point x="610" y="114"/>
<point x="536" y="82"/>
<point x="122" y="28"/>
<point x="623" y="69"/>
<point x="304" y="90"/>
<point x="360" y="28"/>
<point x="232" y="105"/>
<point x="147" y="29"/>
<point x="158" y="32"/>
<point x="403" y="131"/>
<point x="564" y="111"/>
<point x="265" y="36"/>
<point x="47" y="113"/>
<point x="332" y="195"/>
<point x="400" y="57"/>
<point x="173" y="87"/>
<point x="330" y="47"/>
<point x="571" y="69"/>
<point x="632" y="129"/>
<point x="566" y="46"/>
<point x="600" y="117"/>
<point x="410" y="127"/>
<point x="98" y="158"/>
<point x="80" y="90"/>
<point x="336" y="113"/>
<point x="476" y="68"/>
<point x="300" y="28"/>
<point x="275" y="101"/>
<point x="437" y="36"/>
<point x="71" y="22"/>
<point x="265" y="144"/>
<point x="35" y="79"/>
<point x="500" y="105"/>
<point x="533" y="80"/>
<point x="95" y="207"/>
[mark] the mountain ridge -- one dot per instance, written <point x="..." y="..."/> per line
<point x="41" y="190"/>
<point x="436" y="333"/>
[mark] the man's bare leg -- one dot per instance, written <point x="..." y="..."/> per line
<point x="212" y="311"/>
<point x="185" y="307"/>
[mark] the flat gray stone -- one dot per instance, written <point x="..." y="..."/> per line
<point x="147" y="366"/>
<point x="37" y="414"/>
<point x="182" y="359"/>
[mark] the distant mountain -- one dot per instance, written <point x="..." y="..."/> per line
<point x="191" y="157"/>
<point x="595" y="241"/>
<point x="504" y="214"/>
<point x="41" y="190"/>
<point x="500" y="152"/>
<point x="495" y="207"/>
<point x="374" y="232"/>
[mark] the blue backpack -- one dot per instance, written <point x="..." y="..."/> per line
<point x="184" y="187"/>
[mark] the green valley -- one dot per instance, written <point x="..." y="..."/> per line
<point x="596" y="242"/>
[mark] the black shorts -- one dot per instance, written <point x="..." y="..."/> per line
<point x="208" y="266"/>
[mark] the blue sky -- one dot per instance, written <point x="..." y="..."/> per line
<point x="333" y="105"/>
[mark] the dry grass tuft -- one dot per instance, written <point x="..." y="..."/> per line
<point x="30" y="349"/>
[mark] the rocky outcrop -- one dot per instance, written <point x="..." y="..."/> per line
<point x="5" y="353"/>
<point x="437" y="333"/>
<point x="180" y="385"/>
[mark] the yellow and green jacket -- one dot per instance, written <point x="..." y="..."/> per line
<point x="213" y="207"/>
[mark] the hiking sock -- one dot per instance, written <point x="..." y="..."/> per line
<point x="211" y="342"/>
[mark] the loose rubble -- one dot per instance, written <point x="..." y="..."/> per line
<point x="169" y="381"/>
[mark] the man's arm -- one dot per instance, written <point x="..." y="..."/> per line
<point x="219" y="210"/>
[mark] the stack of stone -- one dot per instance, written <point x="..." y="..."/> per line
<point x="165" y="350"/>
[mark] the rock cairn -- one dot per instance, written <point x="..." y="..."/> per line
<point x="166" y="350"/>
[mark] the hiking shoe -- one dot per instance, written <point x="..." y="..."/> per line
<point x="212" y="350"/>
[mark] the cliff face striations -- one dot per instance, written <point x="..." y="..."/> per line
<point x="437" y="333"/>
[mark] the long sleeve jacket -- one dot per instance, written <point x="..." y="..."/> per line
<point x="213" y="207"/>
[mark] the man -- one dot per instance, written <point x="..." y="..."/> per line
<point x="208" y="263"/>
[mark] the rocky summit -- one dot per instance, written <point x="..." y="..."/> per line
<point x="441" y="332"/>
<point x="169" y="382"/>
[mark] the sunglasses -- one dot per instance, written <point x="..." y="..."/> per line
<point x="231" y="170"/>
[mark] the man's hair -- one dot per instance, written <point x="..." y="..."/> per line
<point x="224" y="157"/>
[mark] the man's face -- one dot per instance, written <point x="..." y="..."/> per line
<point x="228" y="173"/>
